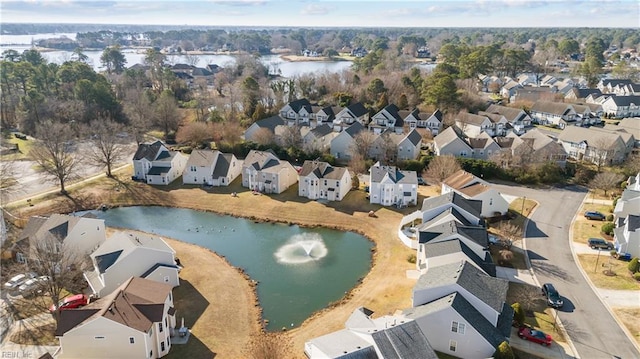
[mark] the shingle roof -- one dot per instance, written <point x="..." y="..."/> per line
<point x="556" y="108"/>
<point x="222" y="165"/>
<point x="474" y="207"/>
<point x="297" y="105"/>
<point x="594" y="137"/>
<point x="436" y="249"/>
<point x="137" y="303"/>
<point x="414" y="137"/>
<point x="447" y="136"/>
<point x="466" y="310"/>
<point x="583" y="93"/>
<point x="148" y="151"/>
<point x="270" y="122"/>
<point x="470" y="118"/>
<point x="354" y="129"/>
<point x="321" y="131"/>
<point x="626" y="100"/>
<point x="378" y="173"/>
<point x="357" y="109"/>
<point x="322" y="170"/>
<point x="404" y="341"/>
<point x="445" y="231"/>
<point x="261" y="159"/>
<point x="202" y="158"/>
<point x="492" y="291"/>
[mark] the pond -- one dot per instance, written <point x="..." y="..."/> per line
<point x="299" y="270"/>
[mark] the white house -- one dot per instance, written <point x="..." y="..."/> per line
<point x="124" y="255"/>
<point x="212" y="168"/>
<point x="622" y="106"/>
<point x="455" y="327"/>
<point x="364" y="337"/>
<point x="472" y="187"/>
<point x="298" y="112"/>
<point x="517" y="117"/>
<point x="260" y="127"/>
<point x="433" y="254"/>
<point x="341" y="144"/>
<point x="451" y="142"/>
<point x="468" y="208"/>
<point x="262" y="171"/>
<point x="553" y="113"/>
<point x="76" y="236"/>
<point x="156" y="164"/>
<point x="320" y="180"/>
<point x="349" y="115"/>
<point x="387" y="119"/>
<point x="627" y="235"/>
<point x="417" y="119"/>
<point x="390" y="186"/>
<point x="137" y="320"/>
<point x="596" y="145"/>
<point x="472" y="125"/>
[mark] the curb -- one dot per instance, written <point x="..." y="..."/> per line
<point x="593" y="287"/>
<point x="563" y="330"/>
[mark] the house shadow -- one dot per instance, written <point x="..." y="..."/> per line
<point x="535" y="256"/>
<point x="189" y="304"/>
<point x="533" y="231"/>
<point x="194" y="349"/>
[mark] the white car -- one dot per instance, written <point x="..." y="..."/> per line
<point x="17" y="281"/>
<point x="33" y="286"/>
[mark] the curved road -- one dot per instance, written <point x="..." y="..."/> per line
<point x="593" y="330"/>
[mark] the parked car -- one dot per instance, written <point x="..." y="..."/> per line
<point x="599" y="243"/>
<point x="33" y="286"/>
<point x="623" y="256"/>
<point x="421" y="181"/>
<point x="17" y="280"/>
<point x="496" y="241"/>
<point x="552" y="295"/>
<point x="71" y="302"/>
<point x="535" y="336"/>
<point x="595" y="215"/>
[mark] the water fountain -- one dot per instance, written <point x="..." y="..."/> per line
<point x="302" y="248"/>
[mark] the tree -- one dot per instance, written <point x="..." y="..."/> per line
<point x="504" y="351"/>
<point x="113" y="59"/>
<point x="518" y="313"/>
<point x="264" y="136"/>
<point x="166" y="113"/>
<point x="291" y="137"/>
<point x="250" y="88"/>
<point x="106" y="147"/>
<point x="568" y="46"/>
<point x="8" y="182"/>
<point x="442" y="167"/>
<point x="362" y="143"/>
<point x="510" y="231"/>
<point x="196" y="134"/>
<point x="606" y="181"/>
<point x="632" y="164"/>
<point x="140" y="113"/>
<point x="634" y="265"/>
<point x="357" y="163"/>
<point x="441" y="91"/>
<point x="53" y="154"/>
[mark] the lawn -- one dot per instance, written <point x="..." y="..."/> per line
<point x="629" y="317"/>
<point x="595" y="268"/>
<point x="23" y="148"/>
<point x="538" y="315"/>
<point x="583" y="228"/>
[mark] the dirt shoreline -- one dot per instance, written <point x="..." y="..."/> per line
<point x="384" y="289"/>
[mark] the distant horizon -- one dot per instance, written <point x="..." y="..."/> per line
<point x="329" y="13"/>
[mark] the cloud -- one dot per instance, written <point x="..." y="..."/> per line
<point x="315" y="9"/>
<point x="240" y="2"/>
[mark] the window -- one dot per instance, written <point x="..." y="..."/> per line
<point x="457" y="327"/>
<point x="160" y="324"/>
<point x="161" y="346"/>
<point x="150" y="332"/>
<point x="452" y="345"/>
<point x="166" y="321"/>
<point x="132" y="340"/>
<point x="98" y="337"/>
<point x="151" y="354"/>
<point x="166" y="279"/>
<point x="20" y="258"/>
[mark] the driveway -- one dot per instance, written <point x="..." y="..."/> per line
<point x="593" y="330"/>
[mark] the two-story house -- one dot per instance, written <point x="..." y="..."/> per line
<point x="472" y="187"/>
<point x="342" y="144"/>
<point x="390" y="186"/>
<point x="387" y="119"/>
<point x="516" y="117"/>
<point x="553" y="113"/>
<point x="320" y="180"/>
<point x="263" y="171"/>
<point x="154" y="163"/>
<point x="417" y="119"/>
<point x="211" y="168"/>
<point x="596" y="145"/>
<point x="349" y="115"/>
<point x="298" y="112"/>
<point x="319" y="138"/>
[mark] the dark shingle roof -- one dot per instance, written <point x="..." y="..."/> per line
<point x="222" y="165"/>
<point x="397" y="176"/>
<point x="322" y="130"/>
<point x="476" y="234"/>
<point x="490" y="290"/>
<point x="297" y="105"/>
<point x="404" y="341"/>
<point x="626" y="100"/>
<point x="454" y="246"/>
<point x="466" y="310"/>
<point x="357" y="109"/>
<point x="474" y="207"/>
<point x="414" y="137"/>
<point x="156" y="171"/>
<point x="633" y="222"/>
<point x="505" y="320"/>
<point x="106" y="260"/>
<point x="270" y="122"/>
<point x="148" y="151"/>
<point x="354" y="129"/>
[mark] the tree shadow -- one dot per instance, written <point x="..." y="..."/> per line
<point x="552" y="270"/>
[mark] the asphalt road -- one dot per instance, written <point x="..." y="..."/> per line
<point x="594" y="331"/>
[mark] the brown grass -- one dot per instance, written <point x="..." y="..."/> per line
<point x="35" y="335"/>
<point x="629" y="317"/>
<point x="537" y="313"/>
<point x="215" y="329"/>
<point x="595" y="268"/>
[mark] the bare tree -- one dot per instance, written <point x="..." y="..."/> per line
<point x="195" y="133"/>
<point x="606" y="181"/>
<point x="511" y="232"/>
<point x="52" y="152"/>
<point x="357" y="163"/>
<point x="60" y="269"/>
<point x="442" y="167"/>
<point x="140" y="113"/>
<point x="264" y="136"/>
<point x="8" y="182"/>
<point x="106" y="147"/>
<point x="166" y="113"/>
<point x="362" y="143"/>
<point x="191" y="59"/>
<point x="632" y="164"/>
<point x="601" y="152"/>
<point x="292" y="137"/>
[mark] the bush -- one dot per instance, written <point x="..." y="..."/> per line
<point x="518" y="313"/>
<point x="607" y="228"/>
<point x="636" y="276"/>
<point x="411" y="258"/>
<point x="633" y="265"/>
<point x="610" y="217"/>
<point x="504" y="351"/>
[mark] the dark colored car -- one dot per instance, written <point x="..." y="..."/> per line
<point x="421" y="181"/>
<point x="535" y="336"/>
<point x="599" y="243"/>
<point x="74" y="301"/>
<point x="595" y="215"/>
<point x="552" y="295"/>
<point x="623" y="256"/>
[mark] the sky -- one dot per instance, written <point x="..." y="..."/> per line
<point x="330" y="13"/>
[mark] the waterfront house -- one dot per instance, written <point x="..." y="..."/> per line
<point x="263" y="171"/>
<point x="211" y="168"/>
<point x="155" y="164"/>
<point x="320" y="180"/>
<point x="472" y="187"/>
<point x="390" y="186"/>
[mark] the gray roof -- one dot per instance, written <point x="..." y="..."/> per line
<point x="626" y="100"/>
<point x="474" y="207"/>
<point x="378" y="173"/>
<point x="490" y="290"/>
<point x="449" y="211"/>
<point x="148" y="151"/>
<point x="261" y="159"/>
<point x="354" y="129"/>
<point x="451" y="246"/>
<point x="322" y="170"/>
<point x="583" y="93"/>
<point x="470" y="118"/>
<point x="477" y="234"/>
<point x="404" y="341"/>
<point x="414" y="137"/>
<point x="344" y="344"/>
<point x="556" y="108"/>
<point x="633" y="222"/>
<point x="156" y="171"/>
<point x="270" y="122"/>
<point x="357" y="109"/>
<point x="505" y="320"/>
<point x="106" y="260"/>
<point x="593" y="136"/>
<point x="297" y="105"/>
<point x="321" y="131"/>
<point x="222" y="165"/>
<point x="466" y="310"/>
<point x="202" y="158"/>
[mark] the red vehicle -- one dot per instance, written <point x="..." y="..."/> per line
<point x="74" y="301"/>
<point x="534" y="335"/>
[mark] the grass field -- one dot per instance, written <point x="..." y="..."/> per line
<point x="616" y="277"/>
